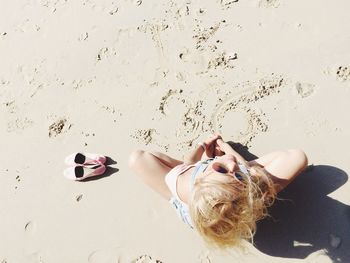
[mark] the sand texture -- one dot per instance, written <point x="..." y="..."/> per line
<point x="112" y="76"/>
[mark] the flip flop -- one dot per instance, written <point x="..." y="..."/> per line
<point x="78" y="173"/>
<point x="85" y="159"/>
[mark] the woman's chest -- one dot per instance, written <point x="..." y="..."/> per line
<point x="183" y="185"/>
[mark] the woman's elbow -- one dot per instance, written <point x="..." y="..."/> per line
<point x="300" y="158"/>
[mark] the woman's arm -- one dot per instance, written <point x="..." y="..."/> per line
<point x="227" y="149"/>
<point x="194" y="155"/>
<point x="283" y="166"/>
<point x="205" y="149"/>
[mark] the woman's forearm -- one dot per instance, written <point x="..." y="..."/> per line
<point x="237" y="155"/>
<point x="194" y="155"/>
<point x="227" y="149"/>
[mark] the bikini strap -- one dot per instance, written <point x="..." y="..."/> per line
<point x="199" y="168"/>
<point x="243" y="169"/>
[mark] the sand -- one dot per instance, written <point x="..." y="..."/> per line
<point x="113" y="76"/>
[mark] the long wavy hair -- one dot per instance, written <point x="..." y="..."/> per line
<point x="225" y="209"/>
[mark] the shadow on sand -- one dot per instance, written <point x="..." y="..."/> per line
<point x="304" y="221"/>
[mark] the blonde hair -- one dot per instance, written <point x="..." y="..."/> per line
<point x="225" y="210"/>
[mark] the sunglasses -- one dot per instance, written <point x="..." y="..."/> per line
<point x="221" y="168"/>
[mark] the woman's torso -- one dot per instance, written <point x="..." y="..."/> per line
<point x="183" y="185"/>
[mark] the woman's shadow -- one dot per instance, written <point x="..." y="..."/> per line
<point x="306" y="220"/>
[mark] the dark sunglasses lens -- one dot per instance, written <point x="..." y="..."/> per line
<point x="238" y="176"/>
<point x="219" y="168"/>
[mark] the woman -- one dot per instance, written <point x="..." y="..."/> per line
<point x="217" y="191"/>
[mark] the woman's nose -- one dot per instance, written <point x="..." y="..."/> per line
<point x="232" y="165"/>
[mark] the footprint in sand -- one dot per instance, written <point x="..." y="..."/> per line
<point x="30" y="227"/>
<point x="113" y="10"/>
<point x="146" y="259"/>
<point x="53" y="4"/>
<point x="185" y="55"/>
<point x="269" y="3"/>
<point x="222" y="61"/>
<point x="226" y="4"/>
<point x="83" y="36"/>
<point x="145" y="136"/>
<point x="78" y="197"/>
<point x="137" y="2"/>
<point x="11" y="106"/>
<point x="304" y="89"/>
<point x="19" y="124"/>
<point x="58" y="127"/>
<point x="203" y="35"/>
<point x="343" y="73"/>
<point x="119" y="255"/>
<point x="105" y="53"/>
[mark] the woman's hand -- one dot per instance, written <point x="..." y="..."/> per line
<point x="218" y="149"/>
<point x="222" y="146"/>
<point x="204" y="150"/>
<point x="227" y="149"/>
<point x="211" y="147"/>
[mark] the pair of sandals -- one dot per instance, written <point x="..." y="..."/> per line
<point x="84" y="165"/>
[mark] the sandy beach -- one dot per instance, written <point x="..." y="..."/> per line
<point x="110" y="77"/>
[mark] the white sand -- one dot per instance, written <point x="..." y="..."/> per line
<point x="112" y="76"/>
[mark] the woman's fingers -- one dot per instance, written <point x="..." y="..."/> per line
<point x="212" y="146"/>
<point x="220" y="145"/>
<point x="218" y="136"/>
<point x="213" y="139"/>
<point x="210" y="150"/>
<point x="219" y="142"/>
<point x="218" y="151"/>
